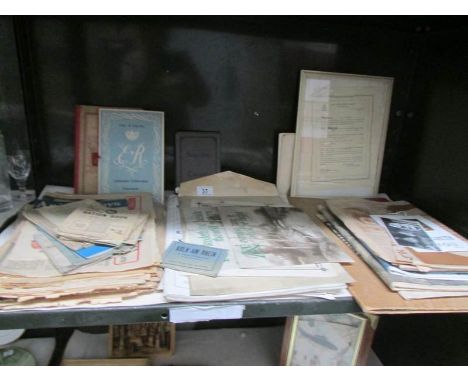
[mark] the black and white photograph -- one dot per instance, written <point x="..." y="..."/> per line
<point x="409" y="233"/>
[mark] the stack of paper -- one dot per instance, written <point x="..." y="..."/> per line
<point x="272" y="252"/>
<point x="47" y="257"/>
<point x="414" y="254"/>
<point x="94" y="222"/>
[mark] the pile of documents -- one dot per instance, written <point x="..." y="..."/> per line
<point x="271" y="252"/>
<point x="414" y="254"/>
<point x="74" y="249"/>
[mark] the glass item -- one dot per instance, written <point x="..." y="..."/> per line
<point x="19" y="167"/>
<point x="5" y="192"/>
<point x="15" y="356"/>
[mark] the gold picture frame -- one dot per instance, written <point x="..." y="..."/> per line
<point x="328" y="340"/>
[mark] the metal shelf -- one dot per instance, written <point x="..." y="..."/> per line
<point x="114" y="315"/>
<point x="58" y="318"/>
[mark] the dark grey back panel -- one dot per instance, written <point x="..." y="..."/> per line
<point x="235" y="75"/>
<point x="240" y="76"/>
<point x="432" y="170"/>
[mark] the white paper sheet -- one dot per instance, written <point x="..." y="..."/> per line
<point x="205" y="313"/>
<point x="177" y="288"/>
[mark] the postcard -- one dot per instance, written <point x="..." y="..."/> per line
<point x="194" y="258"/>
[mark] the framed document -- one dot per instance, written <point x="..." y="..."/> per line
<point x="328" y="340"/>
<point x="131" y="152"/>
<point x="340" y="134"/>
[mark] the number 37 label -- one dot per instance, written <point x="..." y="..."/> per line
<point x="205" y="191"/>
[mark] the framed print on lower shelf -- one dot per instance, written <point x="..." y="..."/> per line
<point x="142" y="340"/>
<point x="340" y="134"/>
<point x="328" y="340"/>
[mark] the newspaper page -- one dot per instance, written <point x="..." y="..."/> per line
<point x="275" y="237"/>
<point x="203" y="226"/>
<point x="289" y="241"/>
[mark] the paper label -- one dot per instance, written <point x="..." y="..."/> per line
<point x="205" y="191"/>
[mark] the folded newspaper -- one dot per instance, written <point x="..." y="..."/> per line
<point x="92" y="221"/>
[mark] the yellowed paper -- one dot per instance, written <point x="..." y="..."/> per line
<point x="92" y="222"/>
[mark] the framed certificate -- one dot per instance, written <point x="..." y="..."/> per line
<point x="340" y="134"/>
<point x="131" y="152"/>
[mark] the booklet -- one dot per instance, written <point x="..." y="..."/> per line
<point x="131" y="152"/>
